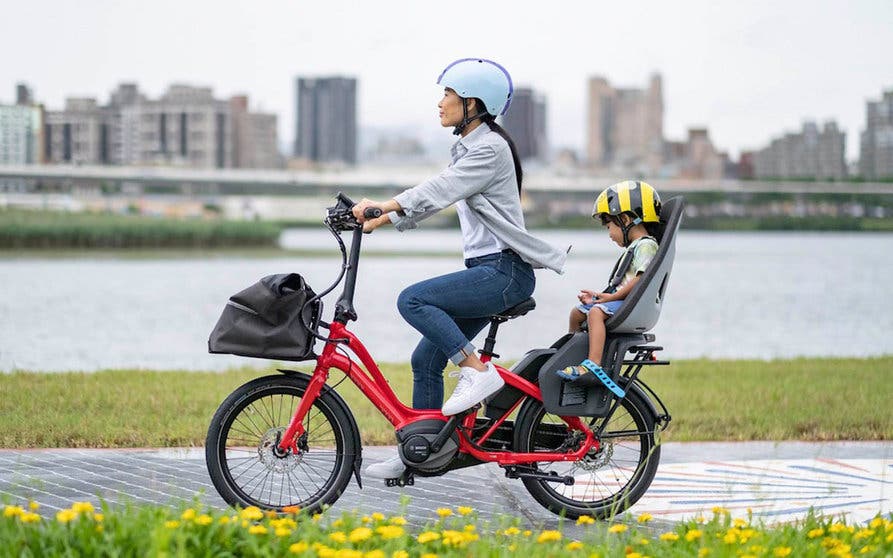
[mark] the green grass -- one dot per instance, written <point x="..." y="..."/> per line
<point x="710" y="400"/>
<point x="46" y="229"/>
<point x="83" y="530"/>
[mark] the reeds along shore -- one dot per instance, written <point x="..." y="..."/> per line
<point x="41" y="229"/>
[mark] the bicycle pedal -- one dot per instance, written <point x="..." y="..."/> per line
<point x="402" y="481"/>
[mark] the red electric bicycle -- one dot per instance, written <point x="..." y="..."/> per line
<point x="291" y="440"/>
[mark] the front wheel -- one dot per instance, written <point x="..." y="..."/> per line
<point x="606" y="482"/>
<point x="244" y="460"/>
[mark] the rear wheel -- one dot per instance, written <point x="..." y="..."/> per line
<point x="244" y="460"/>
<point x="606" y="482"/>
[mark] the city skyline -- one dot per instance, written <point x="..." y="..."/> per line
<point x="743" y="71"/>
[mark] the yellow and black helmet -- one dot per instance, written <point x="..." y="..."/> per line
<point x="629" y="196"/>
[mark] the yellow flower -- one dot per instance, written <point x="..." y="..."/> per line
<point x="82" y="507"/>
<point x="863" y="534"/>
<point x="13" y="511"/>
<point x="257" y="530"/>
<point x="585" y="520"/>
<point x="875" y="523"/>
<point x="669" y="537"/>
<point x="866" y="549"/>
<point x="172" y="524"/>
<point x="316" y="517"/>
<point x="512" y="531"/>
<point x="548" y="536"/>
<point x="693" y="535"/>
<point x="374" y="554"/>
<point x="338" y="523"/>
<point x="633" y="555"/>
<point x="224" y="519"/>
<point x="719" y="510"/>
<point x="738" y="522"/>
<point x="731" y="537"/>
<point x="251" y="513"/>
<point x="400" y="554"/>
<point x="29" y="517"/>
<point x="527" y="532"/>
<point x="464" y="510"/>
<point x="282" y="532"/>
<point x="574" y="545"/>
<point x="703" y="552"/>
<point x="348" y="553"/>
<point x="782" y="551"/>
<point x="298" y="547"/>
<point x="338" y="537"/>
<point x="360" y="534"/>
<point x="428" y="536"/>
<point x="618" y="528"/>
<point x="390" y="531"/>
<point x="398" y="520"/>
<point x="270" y="514"/>
<point x="65" y="516"/>
<point x="429" y="555"/>
<point x="98" y="517"/>
<point x="645" y="518"/>
<point x="814" y="533"/>
<point x="444" y="512"/>
<point x="458" y="538"/>
<point x="837" y="528"/>
<point x="33" y="506"/>
<point x="366" y="519"/>
<point x="378" y="516"/>
<point x="469" y="528"/>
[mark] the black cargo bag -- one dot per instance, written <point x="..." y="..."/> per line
<point x="265" y="320"/>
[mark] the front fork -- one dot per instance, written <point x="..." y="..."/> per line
<point x="289" y="441"/>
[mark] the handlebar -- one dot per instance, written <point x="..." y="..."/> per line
<point x="372" y="213"/>
<point x="340" y="216"/>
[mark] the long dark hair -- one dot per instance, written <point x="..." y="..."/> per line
<point x="490" y="120"/>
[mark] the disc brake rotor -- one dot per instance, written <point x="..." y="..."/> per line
<point x="272" y="457"/>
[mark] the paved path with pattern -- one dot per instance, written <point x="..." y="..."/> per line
<point x="776" y="481"/>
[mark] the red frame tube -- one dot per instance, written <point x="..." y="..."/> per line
<point x="376" y="388"/>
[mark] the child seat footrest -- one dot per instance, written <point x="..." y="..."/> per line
<point x="597" y="376"/>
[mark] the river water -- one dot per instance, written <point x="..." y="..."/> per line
<point x="731" y="295"/>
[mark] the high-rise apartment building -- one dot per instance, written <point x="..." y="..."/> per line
<point x="78" y="134"/>
<point x="525" y="122"/>
<point x="21" y="130"/>
<point x="326" y="110"/>
<point x="876" y="149"/>
<point x="625" y="126"/>
<point x="255" y="138"/>
<point x="812" y="153"/>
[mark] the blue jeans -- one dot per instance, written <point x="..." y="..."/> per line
<point x="452" y="309"/>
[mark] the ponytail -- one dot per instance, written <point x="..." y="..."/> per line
<point x="490" y="120"/>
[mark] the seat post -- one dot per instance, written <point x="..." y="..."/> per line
<point x="490" y="342"/>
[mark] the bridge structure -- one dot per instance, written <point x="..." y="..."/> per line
<point x="389" y="178"/>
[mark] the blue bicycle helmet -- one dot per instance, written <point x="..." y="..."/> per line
<point x="480" y="78"/>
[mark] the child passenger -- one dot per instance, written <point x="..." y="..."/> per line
<point x="631" y="212"/>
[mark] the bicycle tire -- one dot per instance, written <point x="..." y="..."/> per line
<point x="239" y="446"/>
<point x="616" y="476"/>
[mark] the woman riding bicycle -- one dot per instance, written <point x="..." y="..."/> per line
<point x="484" y="182"/>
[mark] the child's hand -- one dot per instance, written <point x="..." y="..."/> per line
<point x="586" y="296"/>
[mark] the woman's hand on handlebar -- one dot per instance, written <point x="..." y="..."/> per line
<point x="360" y="210"/>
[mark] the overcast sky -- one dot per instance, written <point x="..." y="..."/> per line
<point x="748" y="70"/>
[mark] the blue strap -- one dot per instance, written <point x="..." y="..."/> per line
<point x="600" y="374"/>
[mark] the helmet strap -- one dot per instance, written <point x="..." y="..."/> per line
<point x="466" y="120"/>
<point x="627" y="228"/>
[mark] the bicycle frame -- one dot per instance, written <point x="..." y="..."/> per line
<point x="372" y="383"/>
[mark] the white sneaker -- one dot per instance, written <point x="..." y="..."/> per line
<point x="389" y="469"/>
<point x="473" y="387"/>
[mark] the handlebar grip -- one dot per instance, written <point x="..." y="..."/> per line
<point x="372" y="213"/>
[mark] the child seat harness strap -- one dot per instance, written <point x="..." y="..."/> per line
<point x="621" y="267"/>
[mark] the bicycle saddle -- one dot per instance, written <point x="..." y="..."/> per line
<point x="516" y="310"/>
